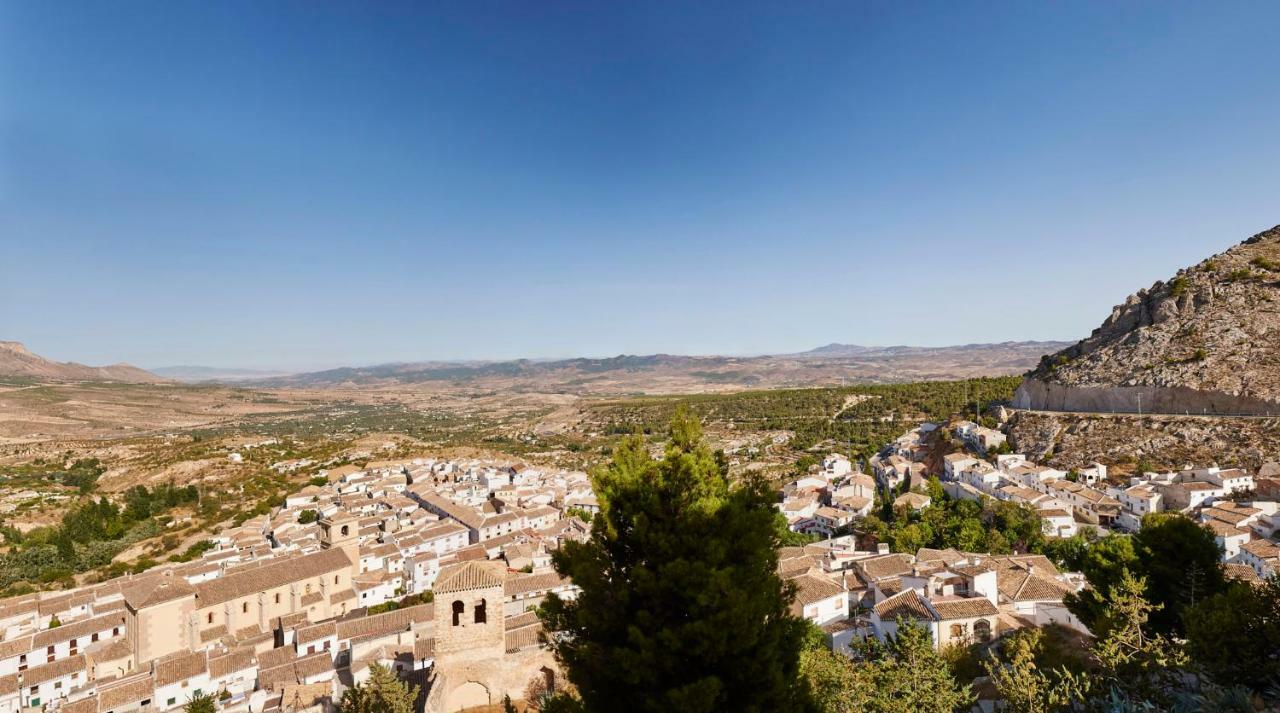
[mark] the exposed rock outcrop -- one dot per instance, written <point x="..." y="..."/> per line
<point x="1074" y="440"/>
<point x="1206" y="341"/>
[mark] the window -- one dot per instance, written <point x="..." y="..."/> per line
<point x="458" y="607"/>
<point x="982" y="630"/>
<point x="171" y="701"/>
<point x="209" y="618"/>
<point x="93" y="638"/>
<point x="335" y="579"/>
<point x="244" y="608"/>
<point x="480" y="612"/>
<point x="115" y="631"/>
<point x="277" y="597"/>
<point x="345" y="530"/>
<point x="957" y="631"/>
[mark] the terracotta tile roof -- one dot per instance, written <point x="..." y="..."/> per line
<point x="16" y="646"/>
<point x="467" y="576"/>
<point x="9" y="684"/>
<point x="213" y="634"/>
<point x="124" y="691"/>
<point x="313" y="665"/>
<point x="811" y="588"/>
<point x="385" y="623"/>
<point x="1262" y="549"/>
<point x="77" y="630"/>
<point x="155" y="589"/>
<point x="276" y="573"/>
<point x="885" y="565"/>
<point x="51" y="671"/>
<point x="907" y="604"/>
<point x="84" y="705"/>
<point x="520" y="584"/>
<point x="1242" y="572"/>
<point x="963" y="608"/>
<point x="276" y="657"/>
<point x="948" y="556"/>
<point x="112" y="649"/>
<point x="1021" y="585"/>
<point x="316" y="632"/>
<point x="523" y="638"/>
<point x="180" y="667"/>
<point x="233" y="661"/>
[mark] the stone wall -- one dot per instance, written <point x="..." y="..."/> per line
<point x="1037" y="395"/>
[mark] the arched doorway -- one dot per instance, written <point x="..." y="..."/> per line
<point x="467" y="695"/>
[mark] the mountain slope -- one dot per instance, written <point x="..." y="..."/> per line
<point x="17" y="361"/>
<point x="664" y="372"/>
<point x="213" y="373"/>
<point x="1207" y="341"/>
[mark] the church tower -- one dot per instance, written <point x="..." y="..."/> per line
<point x="470" y="623"/>
<point x="342" y="531"/>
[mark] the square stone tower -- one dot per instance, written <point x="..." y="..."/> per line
<point x="342" y="532"/>
<point x="469" y="608"/>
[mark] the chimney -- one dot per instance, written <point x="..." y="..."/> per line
<point x="882" y="548"/>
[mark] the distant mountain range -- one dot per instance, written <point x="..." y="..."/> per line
<point x="17" y="361"/>
<point x="831" y="364"/>
<point x="213" y="373"/>
<point x="853" y="351"/>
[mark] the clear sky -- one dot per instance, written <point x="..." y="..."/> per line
<point x="270" y="184"/>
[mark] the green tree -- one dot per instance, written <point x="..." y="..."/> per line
<point x="907" y="675"/>
<point x="1104" y="565"/>
<point x="200" y="703"/>
<point x="1234" y="636"/>
<point x="384" y="692"/>
<point x="1023" y="686"/>
<point x="1138" y="665"/>
<point x="835" y="684"/>
<point x="680" y="607"/>
<point x="307" y="517"/>
<point x="1181" y="564"/>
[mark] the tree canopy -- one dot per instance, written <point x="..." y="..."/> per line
<point x="681" y="607"/>
<point x="384" y="692"/>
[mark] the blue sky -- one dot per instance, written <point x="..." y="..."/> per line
<point x="268" y="184"/>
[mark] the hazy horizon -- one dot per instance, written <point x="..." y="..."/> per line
<point x="258" y="185"/>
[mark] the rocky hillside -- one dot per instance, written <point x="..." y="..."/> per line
<point x="17" y="361"/>
<point x="1066" y="440"/>
<point x="1207" y="341"/>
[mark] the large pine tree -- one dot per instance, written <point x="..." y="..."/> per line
<point x="681" y="607"/>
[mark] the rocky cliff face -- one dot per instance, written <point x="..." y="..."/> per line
<point x="1207" y="341"/>
<point x="1074" y="440"/>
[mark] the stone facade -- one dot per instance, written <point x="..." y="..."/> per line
<point x="473" y="666"/>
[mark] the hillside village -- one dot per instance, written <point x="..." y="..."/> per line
<point x="288" y="610"/>
<point x="432" y="568"/>
<point x="967" y="596"/>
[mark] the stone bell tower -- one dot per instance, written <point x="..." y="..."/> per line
<point x="342" y="531"/>
<point x="470" y="629"/>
